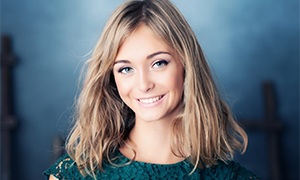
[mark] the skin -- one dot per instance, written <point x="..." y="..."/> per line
<point x="149" y="78"/>
<point x="52" y="178"/>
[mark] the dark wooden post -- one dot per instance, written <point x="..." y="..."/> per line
<point x="273" y="134"/>
<point x="8" y="121"/>
<point x="272" y="127"/>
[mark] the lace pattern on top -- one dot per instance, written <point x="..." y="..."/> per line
<point x="65" y="168"/>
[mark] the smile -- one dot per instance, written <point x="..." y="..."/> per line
<point x="150" y="100"/>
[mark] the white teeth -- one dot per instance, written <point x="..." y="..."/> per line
<point x="150" y="100"/>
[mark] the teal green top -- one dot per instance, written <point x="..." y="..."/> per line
<point x="65" y="168"/>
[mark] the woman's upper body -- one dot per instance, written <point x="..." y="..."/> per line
<point x="149" y="93"/>
<point x="66" y="168"/>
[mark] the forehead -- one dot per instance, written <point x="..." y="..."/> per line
<point x="143" y="40"/>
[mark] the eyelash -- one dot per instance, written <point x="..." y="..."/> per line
<point x="124" y="68"/>
<point x="160" y="63"/>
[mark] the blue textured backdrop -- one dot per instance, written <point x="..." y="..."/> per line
<point x="246" y="42"/>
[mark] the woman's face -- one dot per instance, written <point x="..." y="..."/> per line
<point x="149" y="76"/>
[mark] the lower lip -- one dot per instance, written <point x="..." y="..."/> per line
<point x="156" y="103"/>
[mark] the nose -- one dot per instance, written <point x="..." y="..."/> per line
<point x="145" y="82"/>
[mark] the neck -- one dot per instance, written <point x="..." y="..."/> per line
<point x="151" y="135"/>
<point x="151" y="142"/>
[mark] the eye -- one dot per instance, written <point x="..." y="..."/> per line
<point x="160" y="63"/>
<point x="125" y="70"/>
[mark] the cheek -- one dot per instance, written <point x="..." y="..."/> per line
<point x="123" y="87"/>
<point x="174" y="84"/>
<point x="175" y="81"/>
<point x="178" y="87"/>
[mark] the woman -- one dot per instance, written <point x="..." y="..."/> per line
<point x="149" y="108"/>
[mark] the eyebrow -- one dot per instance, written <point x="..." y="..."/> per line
<point x="148" y="57"/>
<point x="157" y="53"/>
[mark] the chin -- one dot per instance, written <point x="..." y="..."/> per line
<point x="148" y="118"/>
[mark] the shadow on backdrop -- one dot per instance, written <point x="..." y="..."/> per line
<point x="253" y="47"/>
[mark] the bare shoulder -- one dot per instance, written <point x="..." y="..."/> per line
<point x="51" y="177"/>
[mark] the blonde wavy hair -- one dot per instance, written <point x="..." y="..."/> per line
<point x="205" y="128"/>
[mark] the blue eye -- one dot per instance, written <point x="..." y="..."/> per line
<point x="125" y="70"/>
<point x="160" y="63"/>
